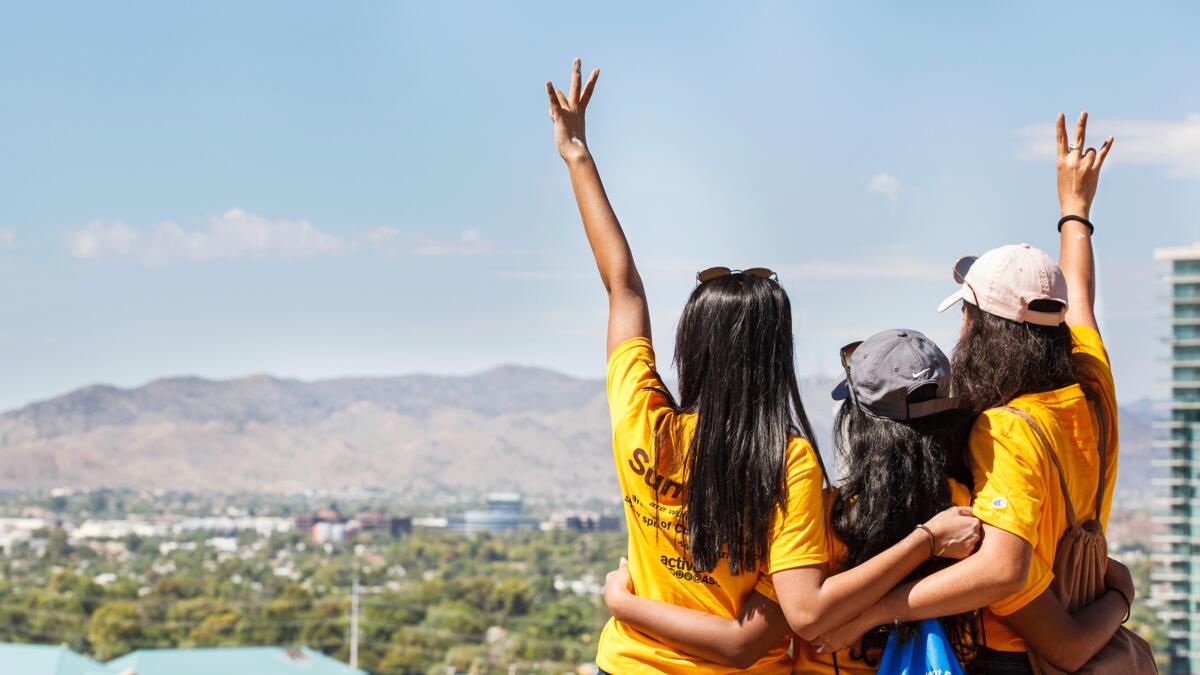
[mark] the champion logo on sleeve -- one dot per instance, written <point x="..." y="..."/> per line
<point x="999" y="503"/>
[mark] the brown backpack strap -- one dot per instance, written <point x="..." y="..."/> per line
<point x="1102" y="424"/>
<point x="1062" y="478"/>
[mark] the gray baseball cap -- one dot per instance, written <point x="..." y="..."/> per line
<point x="883" y="372"/>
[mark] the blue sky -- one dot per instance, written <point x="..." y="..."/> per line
<point x="314" y="190"/>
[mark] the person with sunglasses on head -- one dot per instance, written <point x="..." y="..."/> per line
<point x="722" y="488"/>
<point x="1030" y="363"/>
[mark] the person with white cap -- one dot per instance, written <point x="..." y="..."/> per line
<point x="1031" y="364"/>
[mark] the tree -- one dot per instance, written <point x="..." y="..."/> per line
<point x="57" y="546"/>
<point x="115" y="628"/>
<point x="456" y="618"/>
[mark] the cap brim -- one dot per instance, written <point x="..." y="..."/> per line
<point x="962" y="267"/>
<point x="949" y="302"/>
<point x="841" y="392"/>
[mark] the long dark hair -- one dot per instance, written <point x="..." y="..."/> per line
<point x="894" y="478"/>
<point x="997" y="360"/>
<point x="734" y="356"/>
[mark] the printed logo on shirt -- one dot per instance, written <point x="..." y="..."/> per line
<point x="654" y="480"/>
<point x="999" y="502"/>
<point x="681" y="568"/>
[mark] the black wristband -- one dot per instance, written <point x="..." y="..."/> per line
<point x="1128" y="604"/>
<point x="1079" y="219"/>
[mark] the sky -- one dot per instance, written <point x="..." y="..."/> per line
<point x="312" y="190"/>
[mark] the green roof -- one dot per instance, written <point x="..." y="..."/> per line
<point x="231" y="661"/>
<point x="44" y="660"/>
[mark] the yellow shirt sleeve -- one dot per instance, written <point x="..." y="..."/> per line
<point x="959" y="494"/>
<point x="799" y="537"/>
<point x="1007" y="468"/>
<point x="1094" y="371"/>
<point x="1086" y="346"/>
<point x="633" y="382"/>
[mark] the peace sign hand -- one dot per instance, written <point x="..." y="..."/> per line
<point x="1078" y="168"/>
<point x="567" y="111"/>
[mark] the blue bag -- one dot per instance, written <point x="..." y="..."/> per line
<point x="928" y="653"/>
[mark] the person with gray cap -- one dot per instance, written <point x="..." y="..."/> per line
<point x="1031" y="366"/>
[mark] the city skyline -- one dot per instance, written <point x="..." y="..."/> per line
<point x="374" y="191"/>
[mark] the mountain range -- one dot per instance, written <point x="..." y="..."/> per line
<point x="511" y="428"/>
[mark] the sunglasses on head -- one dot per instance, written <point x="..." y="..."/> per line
<point x="846" y="353"/>
<point x="719" y="272"/>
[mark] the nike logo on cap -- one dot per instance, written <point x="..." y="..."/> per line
<point x="918" y="374"/>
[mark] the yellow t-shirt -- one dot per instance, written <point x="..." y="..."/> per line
<point x="806" y="659"/>
<point x="1017" y="485"/>
<point x="659" y="563"/>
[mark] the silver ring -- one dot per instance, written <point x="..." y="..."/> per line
<point x="1071" y="148"/>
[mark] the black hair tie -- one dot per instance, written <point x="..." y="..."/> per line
<point x="1079" y="219"/>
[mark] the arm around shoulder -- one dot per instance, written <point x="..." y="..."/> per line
<point x="998" y="570"/>
<point x="735" y="642"/>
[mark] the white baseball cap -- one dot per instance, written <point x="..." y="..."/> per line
<point x="1005" y="280"/>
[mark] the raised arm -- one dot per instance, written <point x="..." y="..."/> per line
<point x="628" y="316"/>
<point x="737" y="642"/>
<point x="1078" y="175"/>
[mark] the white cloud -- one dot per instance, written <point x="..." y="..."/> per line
<point x="237" y="235"/>
<point x="393" y="242"/>
<point x="885" y="184"/>
<point x="102" y="240"/>
<point x="233" y="235"/>
<point x="469" y="243"/>
<point x="380" y="234"/>
<point x="1175" y="146"/>
<point x="8" y="237"/>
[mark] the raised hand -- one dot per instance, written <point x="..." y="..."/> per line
<point x="1078" y="168"/>
<point x="567" y="113"/>
<point x="955" y="532"/>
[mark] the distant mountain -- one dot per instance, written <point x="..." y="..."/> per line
<point x="508" y="428"/>
<point x="1137" y="433"/>
<point x="511" y="428"/>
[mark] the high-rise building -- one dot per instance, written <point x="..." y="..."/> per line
<point x="1176" y="577"/>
